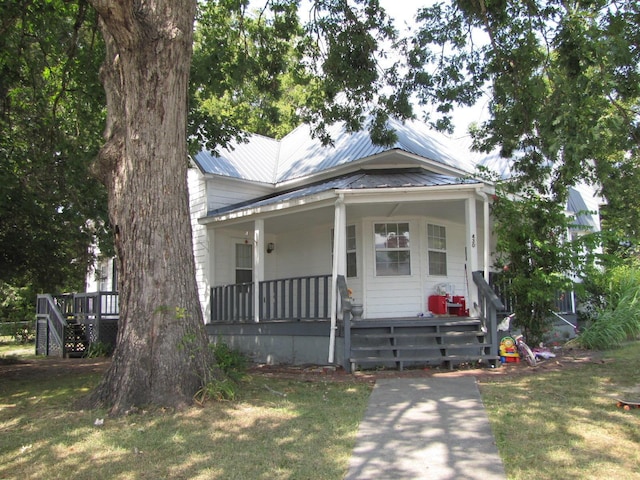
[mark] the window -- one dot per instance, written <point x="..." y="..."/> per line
<point x="352" y="264"/>
<point x="392" y="244"/>
<point x="244" y="263"/>
<point x="352" y="257"/>
<point x="437" y="246"/>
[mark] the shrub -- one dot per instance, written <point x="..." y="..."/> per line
<point x="232" y="362"/>
<point x="616" y="316"/>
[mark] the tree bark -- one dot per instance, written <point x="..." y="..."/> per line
<point x="161" y="357"/>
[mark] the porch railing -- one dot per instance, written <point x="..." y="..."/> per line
<point x="292" y="299"/>
<point x="490" y="304"/>
<point x="68" y="323"/>
<point x="564" y="301"/>
<point x="50" y="326"/>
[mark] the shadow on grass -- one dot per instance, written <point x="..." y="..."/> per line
<point x="565" y="424"/>
<point x="279" y="429"/>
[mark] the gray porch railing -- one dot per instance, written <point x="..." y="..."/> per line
<point x="69" y="322"/>
<point x="50" y="326"/>
<point x="564" y="301"/>
<point x="490" y="304"/>
<point x="297" y="298"/>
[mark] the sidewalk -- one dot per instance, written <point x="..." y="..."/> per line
<point x="425" y="428"/>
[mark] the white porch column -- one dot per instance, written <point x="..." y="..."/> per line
<point x="339" y="266"/>
<point x="487" y="236"/>
<point x="258" y="265"/>
<point x="471" y="264"/>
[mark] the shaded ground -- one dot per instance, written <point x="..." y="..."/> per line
<point x="47" y="367"/>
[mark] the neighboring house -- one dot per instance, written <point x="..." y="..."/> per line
<point x="279" y="225"/>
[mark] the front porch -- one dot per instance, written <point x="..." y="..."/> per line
<point x="295" y="327"/>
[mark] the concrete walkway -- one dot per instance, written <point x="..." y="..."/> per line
<point x="432" y="428"/>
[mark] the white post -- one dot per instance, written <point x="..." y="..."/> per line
<point x="258" y="266"/>
<point x="487" y="236"/>
<point x="339" y="267"/>
<point x="472" y="253"/>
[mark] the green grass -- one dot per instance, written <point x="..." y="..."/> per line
<point x="9" y="349"/>
<point x="560" y="424"/>
<point x="277" y="429"/>
<point x="565" y="423"/>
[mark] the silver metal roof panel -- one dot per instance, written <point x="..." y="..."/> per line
<point x="358" y="180"/>
<point x="299" y="155"/>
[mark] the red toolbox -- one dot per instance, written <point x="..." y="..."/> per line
<point x="438" y="304"/>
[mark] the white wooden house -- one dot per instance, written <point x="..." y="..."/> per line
<point x="277" y="222"/>
<point x="282" y="228"/>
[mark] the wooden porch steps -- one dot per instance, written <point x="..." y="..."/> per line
<point x="407" y="342"/>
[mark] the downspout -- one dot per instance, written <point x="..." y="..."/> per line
<point x="338" y="247"/>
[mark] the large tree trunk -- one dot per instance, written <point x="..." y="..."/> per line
<point x="161" y="356"/>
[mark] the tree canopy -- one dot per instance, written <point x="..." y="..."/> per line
<point x="51" y="117"/>
<point x="563" y="83"/>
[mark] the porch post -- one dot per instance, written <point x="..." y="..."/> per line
<point x="471" y="264"/>
<point x="487" y="236"/>
<point x="339" y="267"/>
<point x="258" y="265"/>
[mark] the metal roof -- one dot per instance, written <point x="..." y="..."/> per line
<point x="357" y="180"/>
<point x="581" y="204"/>
<point x="299" y="155"/>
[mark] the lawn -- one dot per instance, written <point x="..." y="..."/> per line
<point x="549" y="424"/>
<point x="564" y="423"/>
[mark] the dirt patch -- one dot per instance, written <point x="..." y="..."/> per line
<point x="565" y="359"/>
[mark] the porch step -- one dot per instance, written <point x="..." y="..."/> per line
<point x="449" y="361"/>
<point x="386" y="335"/>
<point x="448" y="346"/>
<point x="440" y="340"/>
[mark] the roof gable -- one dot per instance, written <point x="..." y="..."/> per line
<point x="298" y="155"/>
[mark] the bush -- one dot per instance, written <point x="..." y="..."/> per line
<point x="232" y="362"/>
<point x="616" y="313"/>
<point x="233" y="365"/>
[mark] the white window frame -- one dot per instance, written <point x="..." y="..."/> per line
<point x="399" y="248"/>
<point x="437" y="245"/>
<point x="353" y="252"/>
<point x="243" y="267"/>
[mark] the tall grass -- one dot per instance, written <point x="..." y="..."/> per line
<point x="619" y="319"/>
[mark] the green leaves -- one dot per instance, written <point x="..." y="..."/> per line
<point x="51" y="118"/>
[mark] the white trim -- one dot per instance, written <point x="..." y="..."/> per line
<point x="471" y="263"/>
<point x="258" y="265"/>
<point x="339" y="267"/>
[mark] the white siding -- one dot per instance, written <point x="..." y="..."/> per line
<point x="222" y="192"/>
<point x="198" y="209"/>
<point x="408" y="295"/>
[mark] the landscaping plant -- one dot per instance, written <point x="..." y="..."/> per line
<point x="615" y="314"/>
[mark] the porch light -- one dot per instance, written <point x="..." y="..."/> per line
<point x="271" y="247"/>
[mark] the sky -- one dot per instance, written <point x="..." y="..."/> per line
<point x="404" y="12"/>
